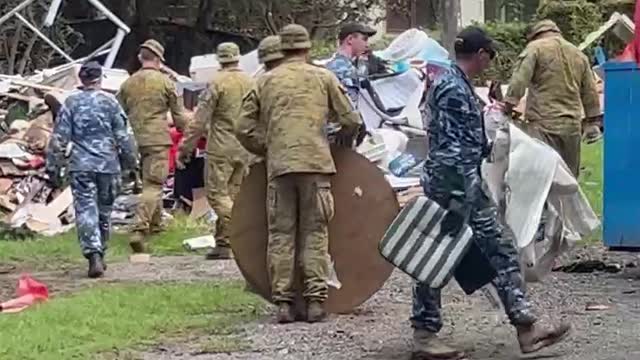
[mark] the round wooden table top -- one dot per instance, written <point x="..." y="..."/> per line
<point x="365" y="205"/>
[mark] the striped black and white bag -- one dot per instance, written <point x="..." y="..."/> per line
<point x="415" y="245"/>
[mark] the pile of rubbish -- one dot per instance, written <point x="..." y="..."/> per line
<point x="28" y="106"/>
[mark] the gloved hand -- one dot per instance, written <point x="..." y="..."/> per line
<point x="361" y="134"/>
<point x="591" y="130"/>
<point x="452" y="223"/>
<point x="182" y="160"/>
<point x="53" y="179"/>
<point x="344" y="137"/>
<point x="591" y="134"/>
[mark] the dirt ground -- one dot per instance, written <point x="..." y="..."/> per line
<point x="379" y="330"/>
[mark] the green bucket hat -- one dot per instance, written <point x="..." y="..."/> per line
<point x="295" y="37"/>
<point x="270" y="49"/>
<point x="228" y="52"/>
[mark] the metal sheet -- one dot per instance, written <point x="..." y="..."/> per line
<point x="365" y="206"/>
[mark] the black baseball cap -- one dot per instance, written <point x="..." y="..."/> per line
<point x="90" y="71"/>
<point x="353" y="28"/>
<point x="472" y="39"/>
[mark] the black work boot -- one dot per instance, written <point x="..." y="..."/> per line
<point x="220" y="253"/>
<point x="315" y="312"/>
<point x="285" y="313"/>
<point x="137" y="242"/>
<point x="96" y="268"/>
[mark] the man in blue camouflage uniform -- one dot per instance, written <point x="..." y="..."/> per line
<point x="457" y="146"/>
<point x="354" y="42"/>
<point x="93" y="124"/>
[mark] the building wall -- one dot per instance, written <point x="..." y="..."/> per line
<point x="471" y="11"/>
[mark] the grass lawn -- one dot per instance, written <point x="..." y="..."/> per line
<point x="591" y="181"/>
<point x="111" y="319"/>
<point x="64" y="249"/>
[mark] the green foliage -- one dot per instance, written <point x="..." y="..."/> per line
<point x="575" y="18"/>
<point x="511" y="38"/>
<point x="608" y="7"/>
<point x="125" y="317"/>
<point x="323" y="49"/>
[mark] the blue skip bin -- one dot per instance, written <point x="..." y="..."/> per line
<point x="622" y="156"/>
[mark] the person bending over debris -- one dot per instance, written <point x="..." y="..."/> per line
<point x="146" y="97"/>
<point x="227" y="161"/>
<point x="561" y="89"/>
<point x="283" y="118"/>
<point x="92" y="122"/>
<point x="457" y="146"/>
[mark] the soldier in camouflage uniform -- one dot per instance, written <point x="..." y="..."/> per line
<point x="227" y="161"/>
<point x="283" y="118"/>
<point x="147" y="97"/>
<point x="270" y="52"/>
<point x="562" y="91"/>
<point x="93" y="122"/>
<point x="353" y="40"/>
<point x="451" y="177"/>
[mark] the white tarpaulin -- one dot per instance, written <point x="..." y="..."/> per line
<point x="534" y="176"/>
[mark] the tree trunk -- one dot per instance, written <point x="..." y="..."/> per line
<point x="13" y="53"/>
<point x="26" y="56"/>
<point x="451" y="15"/>
<point x="206" y="14"/>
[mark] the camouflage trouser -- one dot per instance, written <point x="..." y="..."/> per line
<point x="223" y="179"/>
<point x="496" y="244"/>
<point x="567" y="146"/>
<point x="93" y="197"/>
<point x="302" y="205"/>
<point x="155" y="169"/>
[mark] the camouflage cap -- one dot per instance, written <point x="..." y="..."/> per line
<point x="542" y="27"/>
<point x="228" y="52"/>
<point x="270" y="49"/>
<point x="295" y="37"/>
<point x="155" y="47"/>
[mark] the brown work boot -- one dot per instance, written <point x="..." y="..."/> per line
<point x="220" y="253"/>
<point x="535" y="337"/>
<point x="315" y="312"/>
<point x="285" y="313"/>
<point x="137" y="242"/>
<point x="427" y="346"/>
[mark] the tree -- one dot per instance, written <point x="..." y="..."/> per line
<point x="451" y="11"/>
<point x="262" y="17"/>
<point x="21" y="50"/>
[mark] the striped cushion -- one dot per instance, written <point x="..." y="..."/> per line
<point x="415" y="245"/>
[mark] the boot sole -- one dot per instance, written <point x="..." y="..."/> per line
<point x="213" y="257"/>
<point x="316" y="319"/>
<point x="426" y="356"/>
<point x="550" y="340"/>
<point x="284" y="321"/>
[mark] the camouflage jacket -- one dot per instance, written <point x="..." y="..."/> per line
<point x="285" y="115"/>
<point x="346" y="71"/>
<point x="218" y="110"/>
<point x="561" y="84"/>
<point x="457" y="140"/>
<point x="95" y="125"/>
<point x="147" y="96"/>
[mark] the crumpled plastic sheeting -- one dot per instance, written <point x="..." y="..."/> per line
<point x="534" y="175"/>
<point x="394" y="91"/>
<point x="29" y="292"/>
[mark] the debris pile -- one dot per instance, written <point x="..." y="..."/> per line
<point x="27" y="114"/>
<point x="26" y="202"/>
